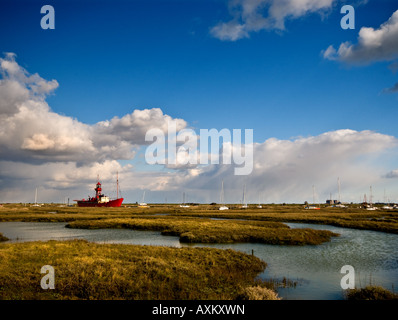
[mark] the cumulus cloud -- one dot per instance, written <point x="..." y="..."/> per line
<point x="285" y="170"/>
<point x="373" y="44"/>
<point x="255" y="15"/>
<point x="41" y="135"/>
<point x="133" y="127"/>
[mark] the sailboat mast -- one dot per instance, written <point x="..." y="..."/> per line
<point x="313" y="194"/>
<point x="371" y="196"/>
<point x="338" y="183"/>
<point x="222" y="192"/>
<point x="117" y="185"/>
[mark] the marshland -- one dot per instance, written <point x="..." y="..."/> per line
<point x="215" y="254"/>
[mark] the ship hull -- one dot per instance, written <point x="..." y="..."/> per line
<point x="88" y="203"/>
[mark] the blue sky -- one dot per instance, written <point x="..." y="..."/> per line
<point x="112" y="57"/>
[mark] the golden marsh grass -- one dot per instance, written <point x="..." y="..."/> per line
<point x="194" y="230"/>
<point x="85" y="270"/>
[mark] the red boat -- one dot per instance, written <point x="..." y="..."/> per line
<point x="100" y="200"/>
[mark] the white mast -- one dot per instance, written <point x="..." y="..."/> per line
<point x="313" y="194"/>
<point x="117" y="185"/>
<point x="338" y="183"/>
<point x="36" y="205"/>
<point x="244" y="197"/>
<point x="371" y="196"/>
<point x="223" y="206"/>
<point x="259" y="203"/>
<point x="222" y="193"/>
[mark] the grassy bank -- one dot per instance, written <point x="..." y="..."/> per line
<point x="85" y="270"/>
<point x="194" y="230"/>
<point x="3" y="238"/>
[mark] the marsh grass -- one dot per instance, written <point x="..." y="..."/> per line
<point x="85" y="270"/>
<point x="258" y="293"/>
<point x="371" y="292"/>
<point x="379" y="220"/>
<point x="193" y="230"/>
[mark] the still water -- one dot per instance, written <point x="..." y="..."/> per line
<point x="316" y="269"/>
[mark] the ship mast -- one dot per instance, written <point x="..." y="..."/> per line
<point x="117" y="185"/>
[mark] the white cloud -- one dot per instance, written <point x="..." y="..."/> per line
<point x="285" y="170"/>
<point x="255" y="15"/>
<point x="231" y="31"/>
<point x="281" y="10"/>
<point x="31" y="132"/>
<point x="133" y="127"/>
<point x="373" y="45"/>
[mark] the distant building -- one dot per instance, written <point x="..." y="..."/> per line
<point x="332" y="202"/>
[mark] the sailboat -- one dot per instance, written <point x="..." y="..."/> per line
<point x="183" y="205"/>
<point x="143" y="204"/>
<point x="36" y="205"/>
<point x="386" y="203"/>
<point x="223" y="206"/>
<point x="339" y="205"/>
<point x="313" y="207"/>
<point x="244" y="204"/>
<point x="370" y="207"/>
<point x="259" y="205"/>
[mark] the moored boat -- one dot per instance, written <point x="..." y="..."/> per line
<point x="100" y="200"/>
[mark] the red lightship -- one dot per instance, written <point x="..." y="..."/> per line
<point x="100" y="200"/>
